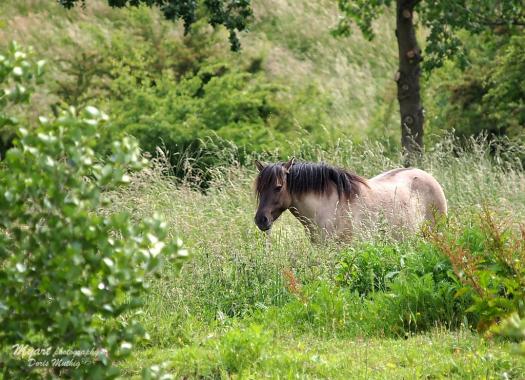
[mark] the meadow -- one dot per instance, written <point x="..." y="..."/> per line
<point x="243" y="306"/>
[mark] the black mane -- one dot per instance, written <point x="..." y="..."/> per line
<point x="305" y="177"/>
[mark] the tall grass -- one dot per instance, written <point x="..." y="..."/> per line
<point x="235" y="270"/>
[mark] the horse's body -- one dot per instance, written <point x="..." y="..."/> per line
<point x="332" y="202"/>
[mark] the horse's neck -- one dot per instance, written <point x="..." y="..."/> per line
<point x="319" y="210"/>
<point x="326" y="214"/>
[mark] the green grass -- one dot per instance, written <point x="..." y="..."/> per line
<point x="319" y="327"/>
<point x="437" y="354"/>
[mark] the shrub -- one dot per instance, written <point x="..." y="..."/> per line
<point x="217" y="116"/>
<point x="415" y="303"/>
<point x="136" y="42"/>
<point x="406" y="287"/>
<point x="367" y="268"/>
<point x="19" y="73"/>
<point x="488" y="258"/>
<point x="373" y="267"/>
<point x="66" y="270"/>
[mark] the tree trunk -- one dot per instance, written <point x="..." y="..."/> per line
<point x="407" y="79"/>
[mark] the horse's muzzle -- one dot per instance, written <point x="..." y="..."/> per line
<point x="263" y="222"/>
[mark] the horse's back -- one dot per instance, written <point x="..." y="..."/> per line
<point x="413" y="187"/>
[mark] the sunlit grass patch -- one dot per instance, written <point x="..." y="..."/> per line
<point x="438" y="354"/>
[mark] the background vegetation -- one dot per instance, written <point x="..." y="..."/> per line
<point x="445" y="303"/>
<point x="191" y="93"/>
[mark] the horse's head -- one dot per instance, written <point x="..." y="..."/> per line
<point x="272" y="193"/>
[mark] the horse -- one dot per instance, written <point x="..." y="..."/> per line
<point x="332" y="202"/>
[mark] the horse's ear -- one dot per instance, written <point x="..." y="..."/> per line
<point x="289" y="164"/>
<point x="259" y="165"/>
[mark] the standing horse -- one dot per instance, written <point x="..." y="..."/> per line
<point x="332" y="202"/>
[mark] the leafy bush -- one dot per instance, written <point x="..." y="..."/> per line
<point x="218" y="116"/>
<point x="19" y="72"/>
<point x="408" y="286"/>
<point x="416" y="303"/>
<point x="411" y="303"/>
<point x="367" y="268"/>
<point x="373" y="267"/>
<point x="195" y="100"/>
<point x="141" y="46"/>
<point x="488" y="258"/>
<point x="68" y="271"/>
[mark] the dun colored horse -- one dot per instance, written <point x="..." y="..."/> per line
<point x="333" y="202"/>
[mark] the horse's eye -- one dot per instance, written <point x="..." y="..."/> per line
<point x="278" y="188"/>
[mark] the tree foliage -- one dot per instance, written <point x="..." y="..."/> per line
<point x="488" y="260"/>
<point x="443" y="20"/>
<point x="488" y="97"/>
<point x="233" y="14"/>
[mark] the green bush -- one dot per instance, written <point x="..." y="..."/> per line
<point x="410" y="303"/>
<point x="67" y="270"/>
<point x="407" y="287"/>
<point x="19" y="73"/>
<point x="367" y="268"/>
<point x="203" y="105"/>
<point x="488" y="258"/>
<point x="218" y="116"/>
<point x="416" y="303"/>
<point x="69" y="274"/>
